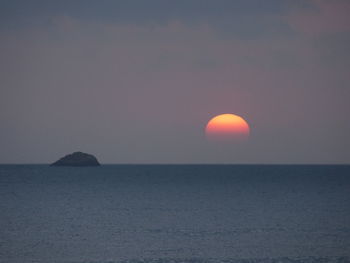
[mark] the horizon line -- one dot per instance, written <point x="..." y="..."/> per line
<point x="102" y="164"/>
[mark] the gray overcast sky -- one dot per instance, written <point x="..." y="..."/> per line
<point x="137" y="81"/>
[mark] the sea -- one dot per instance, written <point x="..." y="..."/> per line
<point x="175" y="213"/>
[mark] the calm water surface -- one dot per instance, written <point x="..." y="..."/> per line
<point x="174" y="213"/>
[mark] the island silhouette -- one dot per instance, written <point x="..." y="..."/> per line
<point x="77" y="159"/>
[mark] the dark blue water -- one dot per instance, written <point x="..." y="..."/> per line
<point x="174" y="213"/>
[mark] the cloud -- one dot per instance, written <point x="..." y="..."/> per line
<point x="327" y="17"/>
<point x="247" y="19"/>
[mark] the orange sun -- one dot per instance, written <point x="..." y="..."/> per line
<point x="227" y="127"/>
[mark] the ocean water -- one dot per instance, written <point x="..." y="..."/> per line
<point x="174" y="213"/>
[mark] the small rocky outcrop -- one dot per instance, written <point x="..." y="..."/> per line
<point x="77" y="159"/>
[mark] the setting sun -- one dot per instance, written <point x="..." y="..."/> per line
<point x="227" y="127"/>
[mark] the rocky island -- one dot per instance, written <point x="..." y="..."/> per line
<point x="77" y="159"/>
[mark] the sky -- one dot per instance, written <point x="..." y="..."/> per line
<point x="137" y="81"/>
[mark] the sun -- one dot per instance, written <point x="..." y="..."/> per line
<point x="227" y="127"/>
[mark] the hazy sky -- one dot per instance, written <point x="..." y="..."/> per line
<point x="136" y="81"/>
